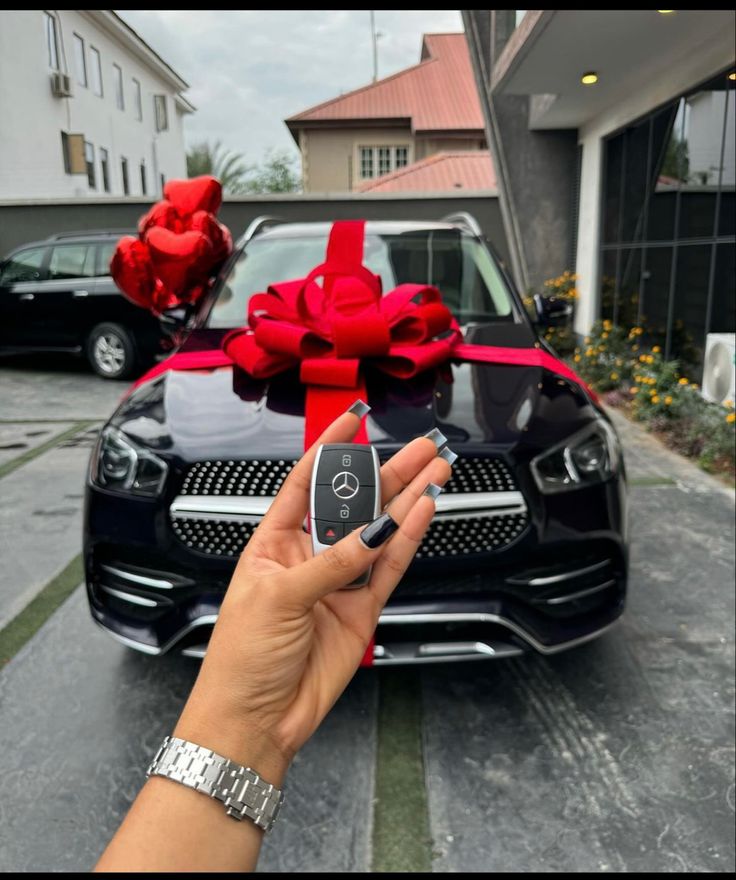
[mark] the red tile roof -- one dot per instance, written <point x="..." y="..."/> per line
<point x="438" y="94"/>
<point x="465" y="169"/>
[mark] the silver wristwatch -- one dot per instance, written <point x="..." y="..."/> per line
<point x="240" y="789"/>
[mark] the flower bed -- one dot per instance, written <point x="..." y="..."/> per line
<point x="651" y="390"/>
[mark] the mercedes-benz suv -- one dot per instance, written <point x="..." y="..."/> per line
<point x="527" y="550"/>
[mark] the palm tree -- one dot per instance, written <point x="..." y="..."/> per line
<point x="229" y="168"/>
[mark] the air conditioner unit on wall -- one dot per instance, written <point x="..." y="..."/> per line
<point x="61" y="85"/>
<point x="719" y="367"/>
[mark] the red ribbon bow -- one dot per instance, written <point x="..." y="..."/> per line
<point x="330" y="330"/>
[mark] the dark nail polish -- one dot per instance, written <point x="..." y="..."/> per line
<point x="449" y="456"/>
<point x="359" y="408"/>
<point x="432" y="491"/>
<point x="379" y="531"/>
<point x="437" y="437"/>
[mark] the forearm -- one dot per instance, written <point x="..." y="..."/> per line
<point x="174" y="828"/>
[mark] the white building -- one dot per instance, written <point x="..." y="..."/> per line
<point x="86" y="108"/>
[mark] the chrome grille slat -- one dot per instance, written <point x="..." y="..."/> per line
<point x="492" y="516"/>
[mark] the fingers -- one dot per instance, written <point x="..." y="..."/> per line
<point x="402" y="467"/>
<point x="345" y="561"/>
<point x="291" y="504"/>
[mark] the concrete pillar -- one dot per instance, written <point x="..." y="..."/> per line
<point x="589" y="221"/>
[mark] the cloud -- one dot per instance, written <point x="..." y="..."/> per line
<point x="249" y="70"/>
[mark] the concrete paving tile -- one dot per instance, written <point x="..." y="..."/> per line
<point x="82" y="717"/>
<point x="41" y="521"/>
<point x="617" y="756"/>
<point x="18" y="438"/>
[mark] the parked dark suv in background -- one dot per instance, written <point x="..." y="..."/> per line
<point x="57" y="295"/>
<point x="527" y="550"/>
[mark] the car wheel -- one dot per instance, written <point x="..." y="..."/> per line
<point x="111" y="351"/>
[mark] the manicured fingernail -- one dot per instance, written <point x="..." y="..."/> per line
<point x="359" y="408"/>
<point x="379" y="531"/>
<point x="449" y="456"/>
<point x="432" y="491"/>
<point x="437" y="437"/>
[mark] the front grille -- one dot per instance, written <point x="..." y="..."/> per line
<point x="447" y="537"/>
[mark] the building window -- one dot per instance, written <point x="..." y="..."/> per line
<point x="159" y="105"/>
<point x="52" y="42"/>
<point x="366" y="162"/>
<point x="80" y="62"/>
<point x="137" y="102"/>
<point x="143" y="178"/>
<point x="105" y="167"/>
<point x="124" y="175"/>
<point x="89" y="157"/>
<point x="95" y="71"/>
<point x="375" y="161"/>
<point x="668" y="220"/>
<point x="118" y="77"/>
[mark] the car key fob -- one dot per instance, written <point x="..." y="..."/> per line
<point x="345" y="494"/>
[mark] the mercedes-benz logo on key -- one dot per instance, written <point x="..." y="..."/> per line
<point x="345" y="485"/>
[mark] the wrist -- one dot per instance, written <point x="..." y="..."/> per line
<point x="240" y="739"/>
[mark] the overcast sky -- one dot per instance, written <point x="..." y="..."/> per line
<point x="249" y="70"/>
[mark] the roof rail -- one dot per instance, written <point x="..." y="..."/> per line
<point x="90" y="233"/>
<point x="465" y="221"/>
<point x="257" y="225"/>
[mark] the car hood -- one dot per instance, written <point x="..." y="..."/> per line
<point x="222" y="413"/>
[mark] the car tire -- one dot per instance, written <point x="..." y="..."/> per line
<point x="111" y="351"/>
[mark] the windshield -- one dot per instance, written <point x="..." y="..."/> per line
<point x="461" y="267"/>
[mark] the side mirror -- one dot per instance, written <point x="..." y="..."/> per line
<point x="551" y="312"/>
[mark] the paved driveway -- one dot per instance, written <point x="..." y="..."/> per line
<point x="618" y="756"/>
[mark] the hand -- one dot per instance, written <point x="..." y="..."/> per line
<point x="288" y="639"/>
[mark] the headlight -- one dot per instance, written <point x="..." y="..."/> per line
<point x="589" y="456"/>
<point x="123" y="466"/>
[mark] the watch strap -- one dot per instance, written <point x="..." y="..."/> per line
<point x="239" y="788"/>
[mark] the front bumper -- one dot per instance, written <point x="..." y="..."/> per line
<point x="561" y="583"/>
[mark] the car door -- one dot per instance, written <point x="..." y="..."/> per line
<point x="22" y="277"/>
<point x="64" y="298"/>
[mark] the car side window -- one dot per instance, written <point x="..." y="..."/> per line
<point x="72" y="261"/>
<point x="104" y="256"/>
<point x="24" y="266"/>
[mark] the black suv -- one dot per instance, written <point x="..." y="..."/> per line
<point x="527" y="550"/>
<point x="58" y="295"/>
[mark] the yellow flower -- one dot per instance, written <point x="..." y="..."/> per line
<point x="653" y="392"/>
<point x="655" y="399"/>
<point x="604" y="335"/>
<point x="668" y="400"/>
<point x="731" y="418"/>
<point x="643" y="358"/>
<point x="601" y="348"/>
<point x="614" y="376"/>
<point x="656" y="349"/>
<point x="633" y="390"/>
<point x="577" y="358"/>
<point x="694" y="385"/>
<point x="589" y="353"/>
<point x="682" y="381"/>
<point x="728" y="404"/>
<point x="619" y="362"/>
<point x="607" y="325"/>
<point x="650" y="359"/>
<point x="639" y="331"/>
<point x="587" y="340"/>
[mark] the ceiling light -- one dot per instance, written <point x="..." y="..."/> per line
<point x="665" y="11"/>
<point x="587" y="79"/>
<point x="732" y="75"/>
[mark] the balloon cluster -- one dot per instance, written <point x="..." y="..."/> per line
<point x="180" y="244"/>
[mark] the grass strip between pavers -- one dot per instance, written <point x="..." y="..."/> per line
<point x="652" y="481"/>
<point x="25" y="457"/>
<point x="401" y="835"/>
<point x="16" y="633"/>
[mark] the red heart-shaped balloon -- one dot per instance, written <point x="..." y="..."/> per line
<point x="164" y="214"/>
<point x="179" y="260"/>
<point x="219" y="235"/>
<point x="197" y="194"/>
<point x="131" y="270"/>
